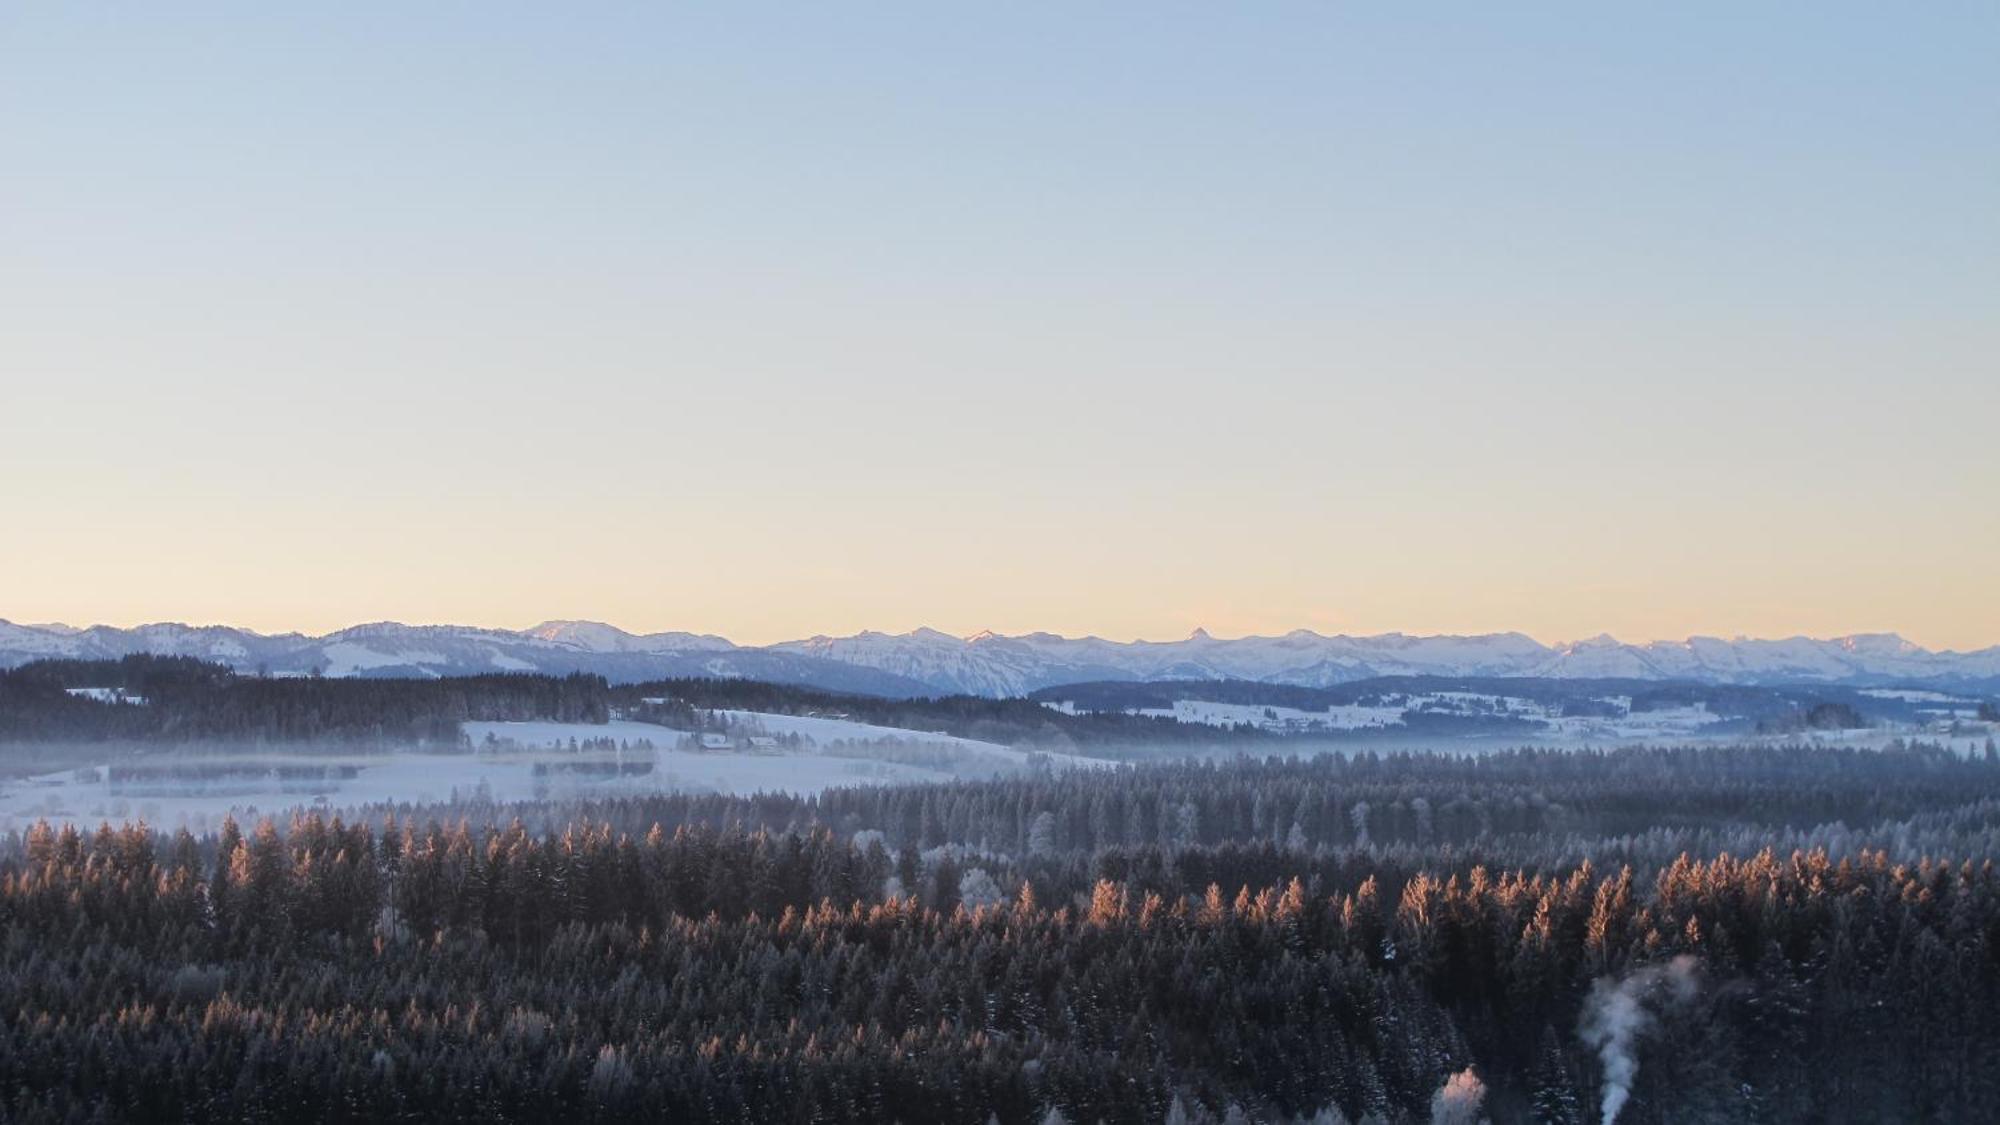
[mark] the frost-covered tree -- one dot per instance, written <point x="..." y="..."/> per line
<point x="1042" y="835"/>
<point x="977" y="888"/>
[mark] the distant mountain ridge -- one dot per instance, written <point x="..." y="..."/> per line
<point x="392" y="649"/>
<point x="927" y="661"/>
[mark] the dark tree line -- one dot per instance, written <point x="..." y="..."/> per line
<point x="188" y="700"/>
<point x="1010" y="722"/>
<point x="1122" y="946"/>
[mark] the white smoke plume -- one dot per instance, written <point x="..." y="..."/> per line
<point x="1457" y="1102"/>
<point x="1618" y="1012"/>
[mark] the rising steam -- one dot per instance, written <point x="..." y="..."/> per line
<point x="1457" y="1101"/>
<point x="1618" y="1012"/>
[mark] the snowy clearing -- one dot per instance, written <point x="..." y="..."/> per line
<point x="106" y="695"/>
<point x="1287" y="719"/>
<point x="824" y="732"/>
<point x="1912" y="696"/>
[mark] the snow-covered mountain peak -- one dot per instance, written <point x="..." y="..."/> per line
<point x="368" y="629"/>
<point x="596" y="636"/>
<point x="593" y="635"/>
<point x="1877" y="644"/>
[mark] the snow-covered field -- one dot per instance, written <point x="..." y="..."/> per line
<point x="107" y="695"/>
<point x="822" y="733"/>
<point x="88" y="795"/>
<point x="1663" y="723"/>
<point x="1909" y="695"/>
<point x="1288" y="719"/>
<point x="1944" y="707"/>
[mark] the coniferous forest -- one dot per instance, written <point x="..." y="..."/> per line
<point x="1720" y="934"/>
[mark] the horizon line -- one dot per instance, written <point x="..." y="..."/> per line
<point x="60" y="628"/>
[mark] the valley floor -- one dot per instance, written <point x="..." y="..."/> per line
<point x="512" y="761"/>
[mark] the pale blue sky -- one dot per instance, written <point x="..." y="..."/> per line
<point x="771" y="320"/>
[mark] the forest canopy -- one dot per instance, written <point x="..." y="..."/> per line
<point x="1789" y="934"/>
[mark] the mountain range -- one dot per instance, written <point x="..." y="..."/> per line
<point x="928" y="662"/>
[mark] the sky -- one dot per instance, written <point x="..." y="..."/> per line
<point x="1097" y="318"/>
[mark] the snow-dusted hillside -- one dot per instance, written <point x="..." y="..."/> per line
<point x="393" y="649"/>
<point x="595" y="636"/>
<point x="1397" y="713"/>
<point x="926" y="661"/>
